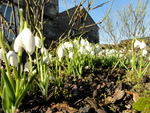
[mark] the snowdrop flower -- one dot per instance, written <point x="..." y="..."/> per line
<point x="1" y="54"/>
<point x="70" y="55"/>
<point x="25" y="40"/>
<point x="46" y="59"/>
<point x="34" y="61"/>
<point x="50" y="56"/>
<point x="44" y="51"/>
<point x="75" y="42"/>
<point x="37" y="42"/>
<point x="142" y="45"/>
<point x="137" y="44"/>
<point x="144" y="52"/>
<point x="84" y="42"/>
<point x="34" y="71"/>
<point x="81" y="50"/>
<point x="18" y="43"/>
<point x="92" y="52"/>
<point x="27" y="67"/>
<point x="89" y="48"/>
<point x="97" y="49"/>
<point x="68" y="45"/>
<point x="60" y="53"/>
<point x="12" y="58"/>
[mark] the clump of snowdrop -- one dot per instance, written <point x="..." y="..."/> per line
<point x="12" y="69"/>
<point x="138" y="57"/>
<point x="67" y="45"/>
<point x="77" y="53"/>
<point x="142" y="46"/>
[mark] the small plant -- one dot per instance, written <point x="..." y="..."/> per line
<point x="137" y="62"/>
<point x="14" y="81"/>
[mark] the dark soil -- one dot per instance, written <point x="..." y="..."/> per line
<point x="103" y="91"/>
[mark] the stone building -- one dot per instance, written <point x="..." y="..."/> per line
<point x="79" y="22"/>
<point x="54" y="23"/>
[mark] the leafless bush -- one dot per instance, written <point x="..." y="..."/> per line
<point x="128" y="23"/>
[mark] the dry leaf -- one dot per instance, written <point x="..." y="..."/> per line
<point x="64" y="107"/>
<point x="118" y="94"/>
<point x="109" y="100"/>
<point x="135" y="97"/>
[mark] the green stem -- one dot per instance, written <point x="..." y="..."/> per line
<point x="30" y="60"/>
<point x="141" y="65"/>
<point x="17" y="82"/>
<point x="21" y="20"/>
<point x="133" y="57"/>
<point x="5" y="60"/>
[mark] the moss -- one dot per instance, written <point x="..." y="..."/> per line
<point x="142" y="104"/>
<point x="146" y="110"/>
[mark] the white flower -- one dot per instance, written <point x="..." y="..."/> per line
<point x="81" y="50"/>
<point x="60" y="53"/>
<point x="18" y="43"/>
<point x="144" y="52"/>
<point x="97" y="49"/>
<point x="92" y="52"/>
<point x="137" y="44"/>
<point x="34" y="71"/>
<point x="89" y="48"/>
<point x="75" y="42"/>
<point x="34" y="61"/>
<point x="50" y="56"/>
<point x="27" y="67"/>
<point x="44" y="51"/>
<point x="1" y="54"/>
<point x="142" y="45"/>
<point x="26" y="40"/>
<point x="37" y="42"/>
<point x="84" y="42"/>
<point x="12" y="58"/>
<point x="70" y="55"/>
<point x="68" y="45"/>
<point x="46" y="59"/>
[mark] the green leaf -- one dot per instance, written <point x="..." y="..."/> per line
<point x="19" y="99"/>
<point x="9" y="88"/>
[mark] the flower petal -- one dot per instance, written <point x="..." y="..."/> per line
<point x="28" y="40"/>
<point x="37" y="42"/>
<point x="18" y="43"/>
<point x="12" y="58"/>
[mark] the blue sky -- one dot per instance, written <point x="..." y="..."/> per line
<point x="99" y="13"/>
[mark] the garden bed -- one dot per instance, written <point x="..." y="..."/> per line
<point x="102" y="91"/>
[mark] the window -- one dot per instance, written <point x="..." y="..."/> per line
<point x="9" y="21"/>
